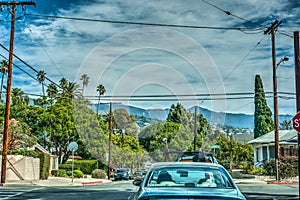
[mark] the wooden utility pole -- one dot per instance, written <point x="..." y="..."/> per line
<point x="195" y="129"/>
<point x="297" y="82"/>
<point x="271" y="30"/>
<point x="9" y="80"/>
<point x="110" y="140"/>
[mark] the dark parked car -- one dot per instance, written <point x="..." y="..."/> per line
<point x="186" y="180"/>
<point x="123" y="174"/>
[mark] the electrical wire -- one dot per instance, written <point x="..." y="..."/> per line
<point x="1" y="45"/>
<point x="231" y="14"/>
<point x="244" y="58"/>
<point x="144" y="23"/>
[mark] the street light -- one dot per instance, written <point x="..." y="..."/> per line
<point x="277" y="147"/>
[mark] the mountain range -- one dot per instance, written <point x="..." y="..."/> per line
<point x="236" y="120"/>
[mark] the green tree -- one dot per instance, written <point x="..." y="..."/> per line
<point x="101" y="90"/>
<point x="263" y="122"/>
<point x="3" y="70"/>
<point x="178" y="114"/>
<point x="19" y="136"/>
<point x="52" y="92"/>
<point x="233" y="152"/>
<point x="126" y="121"/>
<point x="85" y="81"/>
<point x="41" y="75"/>
<point x="18" y="97"/>
<point x="69" y="91"/>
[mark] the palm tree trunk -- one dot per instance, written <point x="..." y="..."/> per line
<point x="98" y="105"/>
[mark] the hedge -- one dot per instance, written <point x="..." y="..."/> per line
<point x="86" y="166"/>
<point x="44" y="166"/>
<point x="288" y="167"/>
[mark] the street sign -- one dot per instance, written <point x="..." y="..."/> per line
<point x="296" y="122"/>
<point x="73" y="146"/>
<point x="214" y="146"/>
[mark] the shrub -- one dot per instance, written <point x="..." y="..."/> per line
<point x="59" y="173"/>
<point x="44" y="166"/>
<point x="99" y="173"/>
<point x="288" y="167"/>
<point x="86" y="166"/>
<point x="76" y="173"/>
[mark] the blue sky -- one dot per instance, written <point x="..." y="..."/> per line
<point x="147" y="60"/>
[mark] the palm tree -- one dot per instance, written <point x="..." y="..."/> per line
<point x="3" y="70"/>
<point x="101" y="89"/>
<point x="85" y="81"/>
<point x="71" y="91"/>
<point x="63" y="83"/>
<point x="52" y="91"/>
<point x="18" y="97"/>
<point x="41" y="75"/>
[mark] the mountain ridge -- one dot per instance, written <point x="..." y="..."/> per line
<point x="236" y="120"/>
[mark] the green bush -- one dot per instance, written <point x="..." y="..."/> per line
<point x="86" y="166"/>
<point x="288" y="167"/>
<point x="99" y="173"/>
<point x="68" y="166"/>
<point x="76" y="173"/>
<point x="59" y="173"/>
<point x="28" y="153"/>
<point x="44" y="166"/>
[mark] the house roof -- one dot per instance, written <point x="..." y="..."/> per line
<point x="284" y="136"/>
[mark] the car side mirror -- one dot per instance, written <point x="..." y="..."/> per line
<point x="137" y="181"/>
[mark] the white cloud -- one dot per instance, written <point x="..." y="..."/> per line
<point x="60" y="46"/>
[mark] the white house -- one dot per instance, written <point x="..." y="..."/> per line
<point x="264" y="146"/>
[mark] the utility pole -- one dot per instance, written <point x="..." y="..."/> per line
<point x="271" y="30"/>
<point x="110" y="139"/>
<point x="13" y="5"/>
<point x="195" y="128"/>
<point x="297" y="81"/>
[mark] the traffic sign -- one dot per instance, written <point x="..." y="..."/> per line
<point x="73" y="146"/>
<point x="214" y="146"/>
<point x="296" y="122"/>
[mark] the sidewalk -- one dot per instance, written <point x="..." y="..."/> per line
<point x="57" y="181"/>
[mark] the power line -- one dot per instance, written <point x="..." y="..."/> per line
<point x="1" y="45"/>
<point x="243" y="59"/>
<point x="19" y="68"/>
<point x="229" y="13"/>
<point x="144" y="23"/>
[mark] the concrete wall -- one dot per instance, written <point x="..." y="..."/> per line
<point x="22" y="168"/>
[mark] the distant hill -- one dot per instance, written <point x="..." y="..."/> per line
<point x="236" y="120"/>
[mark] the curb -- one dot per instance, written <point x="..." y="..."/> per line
<point x="92" y="183"/>
<point x="283" y="183"/>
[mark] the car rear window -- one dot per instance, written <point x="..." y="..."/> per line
<point x="189" y="177"/>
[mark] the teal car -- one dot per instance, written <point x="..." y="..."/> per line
<point x="186" y="180"/>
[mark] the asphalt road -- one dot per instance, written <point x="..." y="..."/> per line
<point x="121" y="190"/>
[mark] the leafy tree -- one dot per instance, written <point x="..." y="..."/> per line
<point x="123" y="120"/>
<point x="263" y="122"/>
<point x="178" y="114"/>
<point x="18" y="97"/>
<point x="19" y="135"/>
<point x="101" y="90"/>
<point x="41" y="75"/>
<point x="93" y="133"/>
<point x="59" y="124"/>
<point x="3" y="70"/>
<point x="232" y="151"/>
<point x="85" y="81"/>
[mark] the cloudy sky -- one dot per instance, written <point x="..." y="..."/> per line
<point x="168" y="64"/>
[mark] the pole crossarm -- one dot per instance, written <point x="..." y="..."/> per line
<point x="16" y="3"/>
<point x="274" y="26"/>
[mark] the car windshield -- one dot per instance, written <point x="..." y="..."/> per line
<point x="189" y="177"/>
<point x="121" y="170"/>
